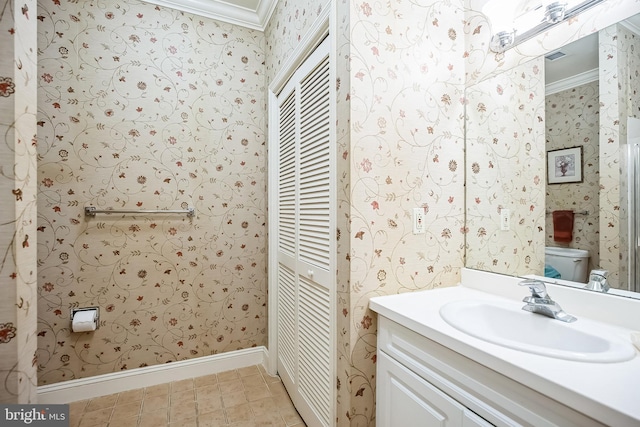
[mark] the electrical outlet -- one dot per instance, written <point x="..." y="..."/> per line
<point x="419" y="227"/>
<point x="505" y="219"/>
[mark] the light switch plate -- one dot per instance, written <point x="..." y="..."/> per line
<point x="505" y="219"/>
<point x="419" y="226"/>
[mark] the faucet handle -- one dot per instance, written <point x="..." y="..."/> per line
<point x="600" y="272"/>
<point x="538" y="288"/>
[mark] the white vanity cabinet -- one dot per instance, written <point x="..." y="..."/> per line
<point x="423" y="383"/>
<point x="409" y="400"/>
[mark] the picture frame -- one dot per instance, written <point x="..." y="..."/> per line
<point x="564" y="165"/>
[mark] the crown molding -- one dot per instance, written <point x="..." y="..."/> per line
<point x="573" y="81"/>
<point x="223" y="11"/>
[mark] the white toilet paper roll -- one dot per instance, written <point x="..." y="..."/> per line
<point x="84" y="321"/>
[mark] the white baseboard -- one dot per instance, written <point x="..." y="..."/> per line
<point x="101" y="385"/>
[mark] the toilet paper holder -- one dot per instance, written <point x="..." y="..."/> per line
<point x="77" y="310"/>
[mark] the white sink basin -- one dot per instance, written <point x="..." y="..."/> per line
<point x="506" y="324"/>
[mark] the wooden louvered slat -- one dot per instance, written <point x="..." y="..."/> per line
<point x="315" y="128"/>
<point x="287" y="345"/>
<point x="287" y="178"/>
<point x="315" y="361"/>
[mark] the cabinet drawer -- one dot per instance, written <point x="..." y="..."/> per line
<point x="405" y="399"/>
<point x="491" y="395"/>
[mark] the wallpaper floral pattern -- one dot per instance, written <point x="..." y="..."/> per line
<point x="406" y="151"/>
<point x="142" y="107"/>
<point x="505" y="170"/>
<point x="619" y="68"/>
<point x="572" y="119"/>
<point x="18" y="315"/>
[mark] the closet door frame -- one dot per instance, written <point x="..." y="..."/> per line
<point x="315" y="36"/>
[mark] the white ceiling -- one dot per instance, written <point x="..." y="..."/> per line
<point x="581" y="57"/>
<point x="253" y="14"/>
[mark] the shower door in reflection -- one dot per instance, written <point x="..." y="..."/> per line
<point x="630" y="238"/>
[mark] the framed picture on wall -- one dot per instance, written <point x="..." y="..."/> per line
<point x="564" y="165"/>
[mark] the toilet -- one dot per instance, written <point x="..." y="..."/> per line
<point x="572" y="264"/>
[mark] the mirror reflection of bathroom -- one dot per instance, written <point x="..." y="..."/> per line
<point x="587" y="148"/>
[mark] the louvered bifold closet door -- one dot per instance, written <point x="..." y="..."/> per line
<point x="306" y="348"/>
<point x="287" y="236"/>
<point x="314" y="245"/>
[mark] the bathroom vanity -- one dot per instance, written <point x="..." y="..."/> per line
<point x="432" y="373"/>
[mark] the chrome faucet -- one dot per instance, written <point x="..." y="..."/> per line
<point x="598" y="281"/>
<point x="541" y="303"/>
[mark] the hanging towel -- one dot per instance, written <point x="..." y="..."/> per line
<point x="563" y="226"/>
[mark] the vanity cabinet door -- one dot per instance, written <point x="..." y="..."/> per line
<point x="404" y="399"/>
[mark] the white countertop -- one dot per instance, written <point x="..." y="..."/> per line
<point x="607" y="392"/>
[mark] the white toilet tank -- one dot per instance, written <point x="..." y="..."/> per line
<point x="572" y="264"/>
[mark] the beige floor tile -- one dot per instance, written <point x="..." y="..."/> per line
<point x="240" y="413"/>
<point x="270" y="379"/>
<point x="269" y="420"/>
<point x="181" y="412"/>
<point x="126" y="411"/>
<point x="74" y="421"/>
<point x="97" y="417"/>
<point x="124" y="422"/>
<point x="154" y="403"/>
<point x="252" y="380"/>
<point x="257" y="392"/>
<point x="263" y="406"/>
<point x="212" y="419"/>
<point x="153" y="419"/>
<point x="102" y="402"/>
<point x="234" y="399"/>
<point x="206" y="380"/>
<point x="248" y="371"/>
<point x="78" y="406"/>
<point x="228" y="376"/>
<point x="182" y="385"/>
<point x="156" y="390"/>
<point x="207" y="392"/>
<point x="290" y="416"/>
<point x="209" y="405"/>
<point x="130" y="396"/>
<point x="242" y="424"/>
<point x="182" y="396"/>
<point x="232" y="386"/>
<point x="277" y="387"/>
<point x="247" y="397"/>
<point x="76" y="410"/>
<point x="187" y="422"/>
<point x="282" y="400"/>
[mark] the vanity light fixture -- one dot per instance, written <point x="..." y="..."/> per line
<point x="537" y="17"/>
<point x="554" y="12"/>
<point x="502" y="41"/>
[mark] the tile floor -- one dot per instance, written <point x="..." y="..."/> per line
<point x="247" y="397"/>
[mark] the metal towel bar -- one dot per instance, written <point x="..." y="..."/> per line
<point x="92" y="211"/>
<point x="576" y="213"/>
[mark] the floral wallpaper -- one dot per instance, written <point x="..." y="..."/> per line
<point x="505" y="170"/>
<point x="18" y="189"/>
<point x="143" y="107"/>
<point x="619" y="67"/>
<point x="572" y="119"/>
<point x="406" y="151"/>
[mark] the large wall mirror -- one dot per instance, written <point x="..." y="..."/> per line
<point x="551" y="149"/>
